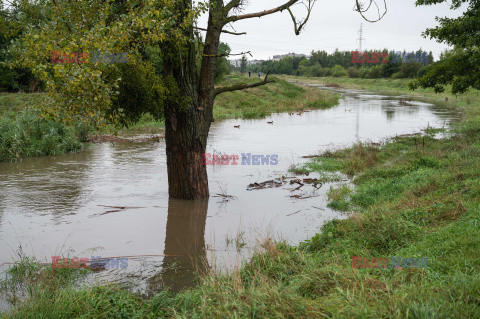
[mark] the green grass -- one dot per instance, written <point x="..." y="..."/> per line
<point x="413" y="197"/>
<point x="262" y="101"/>
<point x="28" y="135"/>
<point x="13" y="103"/>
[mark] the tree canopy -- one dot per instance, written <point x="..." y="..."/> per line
<point x="83" y="86"/>
<point x="460" y="67"/>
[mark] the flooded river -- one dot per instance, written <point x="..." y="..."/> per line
<point x="65" y="205"/>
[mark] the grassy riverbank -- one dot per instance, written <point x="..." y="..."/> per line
<point x="414" y="197"/>
<point x="262" y="101"/>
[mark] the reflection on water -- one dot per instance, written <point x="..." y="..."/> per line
<point x="58" y="205"/>
<point x="185" y="251"/>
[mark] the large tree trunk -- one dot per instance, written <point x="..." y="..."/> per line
<point x="186" y="143"/>
<point x="189" y="113"/>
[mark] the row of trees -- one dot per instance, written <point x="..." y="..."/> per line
<point x="340" y="63"/>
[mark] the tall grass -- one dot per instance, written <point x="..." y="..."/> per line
<point x="29" y="135"/>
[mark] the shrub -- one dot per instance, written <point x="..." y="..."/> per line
<point x="314" y="70"/>
<point x="30" y="135"/>
<point x="422" y="71"/>
<point x="375" y="72"/>
<point x="338" y="71"/>
<point x="353" y="72"/>
<point x="408" y="70"/>
<point x="364" y="72"/>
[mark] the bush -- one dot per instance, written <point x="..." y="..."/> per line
<point x="408" y="70"/>
<point x="353" y="72"/>
<point x="364" y="72"/>
<point x="314" y="70"/>
<point x="397" y="75"/>
<point x="422" y="71"/>
<point x="338" y="71"/>
<point x="375" y="72"/>
<point x="30" y="135"/>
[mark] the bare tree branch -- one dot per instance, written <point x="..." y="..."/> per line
<point x="242" y="86"/>
<point x="298" y="26"/>
<point x="223" y="31"/>
<point x="361" y="8"/>
<point x="229" y="54"/>
<point x="261" y="13"/>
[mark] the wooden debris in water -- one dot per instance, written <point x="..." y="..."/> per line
<point x="266" y="184"/>
<point x="115" y="209"/>
<point x="302" y="196"/>
<point x="295" y="212"/>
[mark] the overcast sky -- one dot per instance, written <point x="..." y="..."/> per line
<point x="334" y="24"/>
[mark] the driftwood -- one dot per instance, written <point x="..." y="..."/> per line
<point x="302" y="197"/>
<point x="225" y="196"/>
<point x="295" y="212"/>
<point x="266" y="184"/>
<point x="115" y="209"/>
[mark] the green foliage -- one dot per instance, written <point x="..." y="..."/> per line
<point x="88" y="90"/>
<point x="353" y="72"/>
<point x="13" y="79"/>
<point x="375" y="72"/>
<point x="322" y="63"/>
<point x="141" y="91"/>
<point x="409" y="70"/>
<point x="243" y="64"/>
<point x="31" y="135"/>
<point x="339" y="197"/>
<point x="223" y="66"/>
<point x="338" y="71"/>
<point x="459" y="68"/>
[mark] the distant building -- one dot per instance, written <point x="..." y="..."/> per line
<point x="294" y="55"/>
<point x="237" y="63"/>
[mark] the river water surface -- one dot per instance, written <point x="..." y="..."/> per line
<point x="58" y="206"/>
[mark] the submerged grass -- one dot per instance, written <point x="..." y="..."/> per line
<point x="415" y="197"/>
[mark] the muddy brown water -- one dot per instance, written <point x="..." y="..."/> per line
<point x="53" y="206"/>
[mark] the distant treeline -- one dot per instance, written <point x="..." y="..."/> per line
<point x="370" y="64"/>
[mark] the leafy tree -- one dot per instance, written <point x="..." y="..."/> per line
<point x="461" y="67"/>
<point x="12" y="79"/>
<point x="92" y="91"/>
<point x="243" y="64"/>
<point x="89" y="91"/>
<point x="223" y="66"/>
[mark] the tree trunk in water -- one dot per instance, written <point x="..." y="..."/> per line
<point x="188" y="115"/>
<point x="186" y="144"/>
